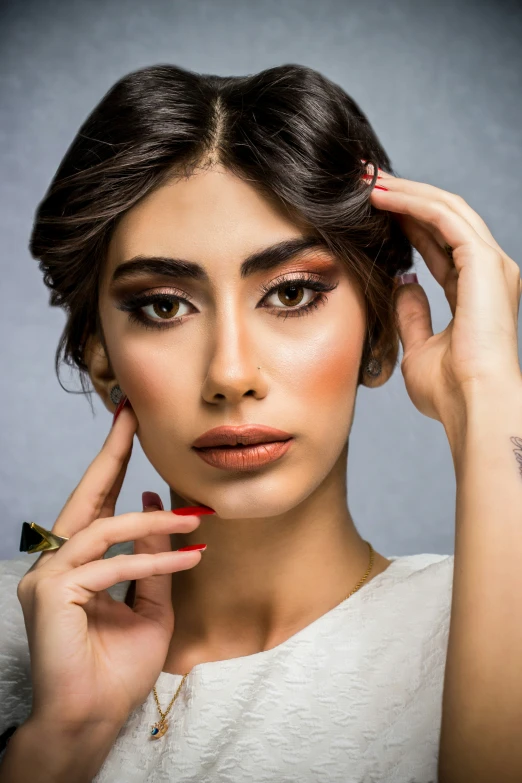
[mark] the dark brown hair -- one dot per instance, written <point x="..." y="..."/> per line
<point x="289" y="131"/>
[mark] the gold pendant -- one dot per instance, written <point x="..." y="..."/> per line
<point x="159" y="729"/>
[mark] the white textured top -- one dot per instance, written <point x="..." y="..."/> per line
<point x="355" y="697"/>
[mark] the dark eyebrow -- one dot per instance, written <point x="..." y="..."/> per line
<point x="260" y="261"/>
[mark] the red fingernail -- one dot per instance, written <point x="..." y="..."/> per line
<point x="199" y="547"/>
<point x="189" y="510"/>
<point x="369" y="176"/>
<point x="120" y="407"/>
<point x="379" y="187"/>
<point x="371" y="164"/>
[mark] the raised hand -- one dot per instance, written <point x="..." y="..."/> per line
<point x="94" y="659"/>
<point x="482" y="286"/>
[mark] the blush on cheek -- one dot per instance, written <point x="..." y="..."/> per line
<point x="331" y="369"/>
<point x="338" y="349"/>
<point x="147" y="374"/>
<point x="335" y="376"/>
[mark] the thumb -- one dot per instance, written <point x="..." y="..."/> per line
<point x="413" y="313"/>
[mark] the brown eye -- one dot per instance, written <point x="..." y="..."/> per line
<point x="288" y="294"/>
<point x="165" y="308"/>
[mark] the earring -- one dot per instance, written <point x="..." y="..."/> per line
<point x="116" y="394"/>
<point x="374" y="367"/>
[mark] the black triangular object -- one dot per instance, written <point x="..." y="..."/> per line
<point x="29" y="538"/>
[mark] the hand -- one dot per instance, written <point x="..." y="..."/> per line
<point x="95" y="659"/>
<point x="482" y="286"/>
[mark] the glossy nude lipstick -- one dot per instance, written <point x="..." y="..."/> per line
<point x="242" y="448"/>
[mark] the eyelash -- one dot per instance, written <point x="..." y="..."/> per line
<point x="134" y="302"/>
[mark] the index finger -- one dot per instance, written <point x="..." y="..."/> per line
<point x="454" y="201"/>
<point x="100" y="485"/>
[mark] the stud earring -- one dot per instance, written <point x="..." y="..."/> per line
<point x="374" y="367"/>
<point x="116" y="394"/>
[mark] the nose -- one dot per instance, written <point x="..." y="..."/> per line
<point x="234" y="365"/>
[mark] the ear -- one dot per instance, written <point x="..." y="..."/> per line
<point x="388" y="362"/>
<point x="100" y="370"/>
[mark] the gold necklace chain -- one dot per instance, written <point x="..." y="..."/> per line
<point x="160" y="728"/>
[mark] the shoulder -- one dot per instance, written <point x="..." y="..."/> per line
<point x="422" y="577"/>
<point x="417" y="602"/>
<point x="421" y="568"/>
<point x="412" y="596"/>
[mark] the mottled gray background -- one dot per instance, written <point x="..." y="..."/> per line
<point x="441" y="84"/>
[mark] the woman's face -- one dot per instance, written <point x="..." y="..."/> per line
<point x="191" y="363"/>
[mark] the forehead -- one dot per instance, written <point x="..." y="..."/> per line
<point x="212" y="217"/>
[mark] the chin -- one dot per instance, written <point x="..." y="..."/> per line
<point x="240" y="499"/>
<point x="269" y="492"/>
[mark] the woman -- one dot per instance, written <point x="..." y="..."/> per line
<point x="191" y="224"/>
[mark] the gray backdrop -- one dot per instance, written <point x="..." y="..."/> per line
<point x="441" y="84"/>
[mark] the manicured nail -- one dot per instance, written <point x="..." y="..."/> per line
<point x="371" y="164"/>
<point x="122" y="403"/>
<point x="192" y="547"/>
<point x="149" y="499"/>
<point x="379" y="187"/>
<point x="198" y="511"/>
<point x="409" y="277"/>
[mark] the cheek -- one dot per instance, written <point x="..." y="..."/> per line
<point x="163" y="399"/>
<point x="323" y="368"/>
<point x="333" y="382"/>
<point x="151" y="377"/>
<point x="335" y="375"/>
<point x="149" y="369"/>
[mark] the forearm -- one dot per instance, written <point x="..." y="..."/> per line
<point x="482" y="699"/>
<point x="47" y="754"/>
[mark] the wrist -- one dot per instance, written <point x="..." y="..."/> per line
<point x="43" y="752"/>
<point x="483" y="408"/>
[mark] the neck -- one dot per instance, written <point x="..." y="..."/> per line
<point x="262" y="580"/>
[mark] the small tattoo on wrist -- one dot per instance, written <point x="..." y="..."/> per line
<point x="518" y="451"/>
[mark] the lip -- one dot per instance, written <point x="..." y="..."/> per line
<point x="247" y="434"/>
<point x="244" y="458"/>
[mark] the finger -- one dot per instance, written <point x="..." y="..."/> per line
<point x="423" y="240"/>
<point x="435" y="258"/>
<point x="109" y="505"/>
<point x="94" y="540"/>
<point x="153" y="594"/>
<point x="491" y="279"/>
<point x="443" y="222"/>
<point x="84" y="582"/>
<point x="420" y="218"/>
<point x="453" y="200"/>
<point x="101" y="478"/>
<point x="413" y="316"/>
<point x="100" y="485"/>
